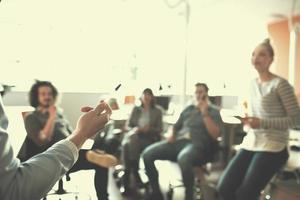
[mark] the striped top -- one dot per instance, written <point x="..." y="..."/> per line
<point x="275" y="103"/>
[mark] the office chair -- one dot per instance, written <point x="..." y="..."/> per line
<point x="118" y="175"/>
<point x="200" y="182"/>
<point x="202" y="189"/>
<point x="62" y="194"/>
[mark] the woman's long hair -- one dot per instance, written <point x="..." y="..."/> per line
<point x="149" y="92"/>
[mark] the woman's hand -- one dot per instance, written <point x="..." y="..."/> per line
<point x="252" y="122"/>
<point x="143" y="129"/>
<point x="171" y="138"/>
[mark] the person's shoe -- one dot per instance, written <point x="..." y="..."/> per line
<point x="127" y="192"/>
<point x="138" y="181"/>
<point x="155" y="196"/>
<point x="101" y="158"/>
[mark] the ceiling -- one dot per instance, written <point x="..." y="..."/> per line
<point x="266" y="10"/>
<point x="271" y="10"/>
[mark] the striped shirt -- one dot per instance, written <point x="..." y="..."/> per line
<point x="275" y="103"/>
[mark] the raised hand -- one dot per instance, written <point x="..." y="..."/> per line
<point x="93" y="120"/>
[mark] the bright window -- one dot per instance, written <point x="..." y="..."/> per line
<point x="92" y="46"/>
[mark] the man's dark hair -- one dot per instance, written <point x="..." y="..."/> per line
<point x="34" y="92"/>
<point x="202" y="85"/>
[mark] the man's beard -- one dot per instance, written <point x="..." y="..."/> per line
<point x="46" y="105"/>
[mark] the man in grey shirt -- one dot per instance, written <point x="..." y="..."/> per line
<point x="46" y="125"/>
<point x="193" y="142"/>
<point x="34" y="178"/>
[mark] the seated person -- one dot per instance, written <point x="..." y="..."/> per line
<point x="145" y="124"/>
<point x="274" y="110"/>
<point x="193" y="142"/>
<point x="113" y="103"/>
<point x="32" y="180"/>
<point x="46" y="126"/>
<point x="109" y="139"/>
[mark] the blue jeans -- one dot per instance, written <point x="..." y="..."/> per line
<point x="248" y="173"/>
<point x="182" y="151"/>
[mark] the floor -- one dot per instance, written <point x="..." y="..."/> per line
<point x="82" y="183"/>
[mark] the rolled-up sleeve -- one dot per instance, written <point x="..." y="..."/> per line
<point x="73" y="148"/>
<point x="35" y="177"/>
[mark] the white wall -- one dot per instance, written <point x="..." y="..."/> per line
<point x="69" y="102"/>
<point x="93" y="45"/>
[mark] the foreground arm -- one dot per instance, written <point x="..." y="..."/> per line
<point x="34" y="179"/>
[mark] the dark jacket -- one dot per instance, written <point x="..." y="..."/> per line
<point x="156" y="122"/>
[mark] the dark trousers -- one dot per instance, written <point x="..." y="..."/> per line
<point x="248" y="173"/>
<point x="101" y="174"/>
<point x="132" y="147"/>
<point x="182" y="151"/>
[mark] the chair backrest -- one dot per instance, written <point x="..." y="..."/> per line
<point x="22" y="153"/>
<point x="16" y="128"/>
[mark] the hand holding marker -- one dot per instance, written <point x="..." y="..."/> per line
<point x="245" y="110"/>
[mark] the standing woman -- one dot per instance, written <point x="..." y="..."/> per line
<point x="264" y="148"/>
<point x="145" y="126"/>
